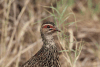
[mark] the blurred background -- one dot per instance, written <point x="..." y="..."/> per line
<point x="79" y="21"/>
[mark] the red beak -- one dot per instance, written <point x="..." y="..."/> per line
<point x="55" y="29"/>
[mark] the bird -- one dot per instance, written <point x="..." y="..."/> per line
<point x="48" y="55"/>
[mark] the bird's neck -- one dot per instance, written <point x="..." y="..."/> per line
<point x="48" y="40"/>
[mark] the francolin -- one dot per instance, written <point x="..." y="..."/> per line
<point x="48" y="55"/>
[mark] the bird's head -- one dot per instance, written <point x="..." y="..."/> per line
<point x="48" y="28"/>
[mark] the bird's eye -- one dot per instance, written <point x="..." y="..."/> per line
<point x="48" y="26"/>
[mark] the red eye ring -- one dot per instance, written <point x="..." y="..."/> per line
<point x="48" y="26"/>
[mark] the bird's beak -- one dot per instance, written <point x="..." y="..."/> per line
<point x="56" y="29"/>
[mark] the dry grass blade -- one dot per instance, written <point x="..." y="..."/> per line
<point x="16" y="24"/>
<point x="23" y="51"/>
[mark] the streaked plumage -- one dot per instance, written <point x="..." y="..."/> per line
<point x="48" y="55"/>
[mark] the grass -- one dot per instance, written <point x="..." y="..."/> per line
<point x="60" y="18"/>
<point x="20" y="22"/>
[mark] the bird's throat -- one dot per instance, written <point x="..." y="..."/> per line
<point x="48" y="41"/>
